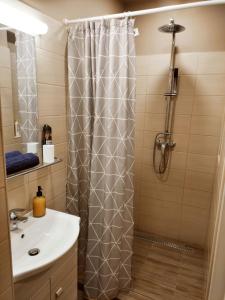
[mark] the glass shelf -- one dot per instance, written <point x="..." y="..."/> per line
<point x="36" y="168"/>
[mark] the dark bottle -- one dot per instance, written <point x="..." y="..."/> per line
<point x="46" y="135"/>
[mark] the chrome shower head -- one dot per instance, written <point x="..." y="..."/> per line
<point x="171" y="27"/>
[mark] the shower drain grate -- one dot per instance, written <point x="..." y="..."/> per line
<point x="156" y="241"/>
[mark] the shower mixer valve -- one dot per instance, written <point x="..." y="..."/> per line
<point x="163" y="140"/>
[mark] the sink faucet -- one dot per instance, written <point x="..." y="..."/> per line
<point x="15" y="216"/>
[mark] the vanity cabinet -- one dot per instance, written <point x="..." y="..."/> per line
<point x="58" y="282"/>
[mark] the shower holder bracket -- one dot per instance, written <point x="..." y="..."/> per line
<point x="170" y="94"/>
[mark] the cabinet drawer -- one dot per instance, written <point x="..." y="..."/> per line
<point x="66" y="289"/>
<point x="43" y="293"/>
<point x="64" y="269"/>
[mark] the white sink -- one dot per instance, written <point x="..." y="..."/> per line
<point x="54" y="234"/>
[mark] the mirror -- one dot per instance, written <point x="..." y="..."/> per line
<point x="19" y="106"/>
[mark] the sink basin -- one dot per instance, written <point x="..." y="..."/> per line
<point x="53" y="235"/>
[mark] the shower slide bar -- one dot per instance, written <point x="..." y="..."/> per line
<point x="148" y="11"/>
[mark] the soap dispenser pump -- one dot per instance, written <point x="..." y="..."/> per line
<point x="39" y="204"/>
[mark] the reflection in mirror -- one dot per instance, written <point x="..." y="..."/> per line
<point x="19" y="100"/>
<point x="27" y="87"/>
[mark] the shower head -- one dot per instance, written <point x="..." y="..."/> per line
<point x="171" y="27"/>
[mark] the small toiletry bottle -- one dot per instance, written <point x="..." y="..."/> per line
<point x="46" y="135"/>
<point x="39" y="204"/>
<point x="17" y="129"/>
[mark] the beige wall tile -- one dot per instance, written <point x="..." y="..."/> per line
<point x="209" y="105"/>
<point x="8" y="136"/>
<point x="138" y="154"/>
<point x="202" y="163"/>
<point x="50" y="68"/>
<point x="154" y="122"/>
<point x="171" y="217"/>
<point x="18" y="197"/>
<point x="3" y="216"/>
<point x="16" y="182"/>
<point x="6" y="97"/>
<point x="51" y="100"/>
<point x="5" y="57"/>
<point x="147" y="155"/>
<point x="140" y="103"/>
<point x="53" y="43"/>
<point x="178" y="160"/>
<point x="211" y="63"/>
<point x="141" y="85"/>
<point x="7" y="116"/>
<point x="161" y="191"/>
<point x="199" y="181"/>
<point x="59" y="202"/>
<point x="181" y="141"/>
<point x="172" y="177"/>
<point x="210" y="85"/>
<point x="157" y="85"/>
<point x="142" y="62"/>
<point x="5" y="78"/>
<point x="149" y="224"/>
<point x="187" y="63"/>
<point x="2" y="174"/>
<point x="182" y="124"/>
<point x="139" y="136"/>
<point x="197" y="198"/>
<point x="155" y="104"/>
<point x="139" y="121"/>
<point x="201" y="144"/>
<point x="59" y="183"/>
<point x="158" y="64"/>
<point x="148" y="139"/>
<point x="192" y="219"/>
<point x="142" y="65"/>
<point x="5" y="266"/>
<point x="187" y="85"/>
<point x="184" y="105"/>
<point x="205" y="125"/>
<point x="160" y="218"/>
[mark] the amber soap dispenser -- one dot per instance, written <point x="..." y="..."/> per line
<point x="39" y="204"/>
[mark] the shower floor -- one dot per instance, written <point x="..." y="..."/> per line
<point x="163" y="273"/>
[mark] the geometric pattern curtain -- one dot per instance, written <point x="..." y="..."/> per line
<point x="27" y="86"/>
<point x="101" y="77"/>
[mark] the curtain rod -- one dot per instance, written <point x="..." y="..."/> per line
<point x="148" y="11"/>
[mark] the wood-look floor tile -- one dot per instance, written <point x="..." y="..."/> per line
<point x="153" y="289"/>
<point x="132" y="296"/>
<point x="161" y="273"/>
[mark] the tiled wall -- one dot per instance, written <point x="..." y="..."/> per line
<point x="177" y="205"/>
<point x="51" y="76"/>
<point x="5" y="258"/>
<point x="215" y="240"/>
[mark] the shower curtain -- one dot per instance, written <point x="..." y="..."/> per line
<point x="101" y="77"/>
<point x="27" y="86"/>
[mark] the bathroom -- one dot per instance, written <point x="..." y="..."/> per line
<point x="112" y="177"/>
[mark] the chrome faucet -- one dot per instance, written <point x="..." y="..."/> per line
<point x="15" y="216"/>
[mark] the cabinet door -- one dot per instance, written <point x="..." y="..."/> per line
<point x="66" y="289"/>
<point x="43" y="293"/>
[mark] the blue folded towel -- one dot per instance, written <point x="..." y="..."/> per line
<point x="12" y="154"/>
<point x="16" y="162"/>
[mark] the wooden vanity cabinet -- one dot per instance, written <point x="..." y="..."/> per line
<point x="58" y="282"/>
